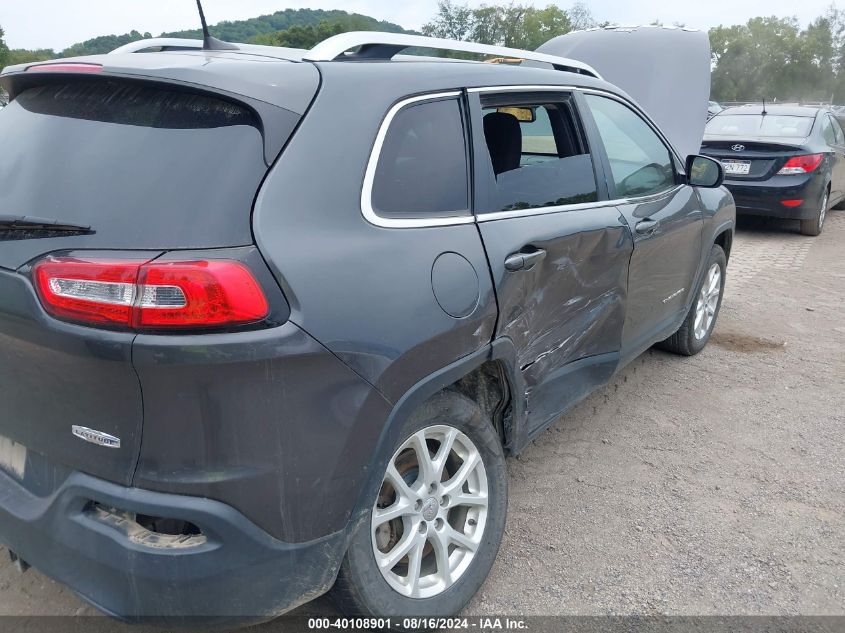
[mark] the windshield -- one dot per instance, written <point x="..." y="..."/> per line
<point x="759" y="125"/>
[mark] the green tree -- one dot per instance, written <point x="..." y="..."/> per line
<point x="309" y="35"/>
<point x="513" y="25"/>
<point x="774" y="59"/>
<point x="268" y="25"/>
<point x="103" y="44"/>
<point x="4" y="50"/>
<point x="4" y="54"/>
<point x="454" y="22"/>
<point x="581" y="17"/>
<point x="23" y="56"/>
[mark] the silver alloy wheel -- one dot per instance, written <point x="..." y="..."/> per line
<point x="429" y="518"/>
<point x="823" y="210"/>
<point x="708" y="301"/>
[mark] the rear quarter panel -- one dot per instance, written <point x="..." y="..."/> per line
<point x="363" y="291"/>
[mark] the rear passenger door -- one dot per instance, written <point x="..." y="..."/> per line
<point x="558" y="251"/>
<point x="663" y="213"/>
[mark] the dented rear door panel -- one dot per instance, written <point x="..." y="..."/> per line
<point x="570" y="306"/>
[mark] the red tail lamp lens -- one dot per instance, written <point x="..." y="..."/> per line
<point x="801" y="164"/>
<point x="97" y="292"/>
<point x="141" y="294"/>
<point x="201" y="293"/>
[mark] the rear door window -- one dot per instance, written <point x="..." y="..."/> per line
<point x="538" y="156"/>
<point x="422" y="164"/>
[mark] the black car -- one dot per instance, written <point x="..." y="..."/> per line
<point x="780" y="161"/>
<point x="271" y="320"/>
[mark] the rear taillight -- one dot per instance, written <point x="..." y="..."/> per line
<point x="203" y="293"/>
<point x="801" y="164"/>
<point x="150" y="294"/>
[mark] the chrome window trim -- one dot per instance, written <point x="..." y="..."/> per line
<point x="524" y="88"/>
<point x="505" y="215"/>
<point x="374" y="218"/>
<point x="367" y="209"/>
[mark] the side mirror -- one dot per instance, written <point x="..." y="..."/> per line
<point x="703" y="171"/>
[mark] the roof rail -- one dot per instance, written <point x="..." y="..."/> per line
<point x="375" y="45"/>
<point x="158" y="42"/>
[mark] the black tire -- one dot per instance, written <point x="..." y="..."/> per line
<point x="684" y="341"/>
<point x="814" y="226"/>
<point x="362" y="590"/>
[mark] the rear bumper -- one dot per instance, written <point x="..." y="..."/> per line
<point x="239" y="573"/>
<point x="765" y="198"/>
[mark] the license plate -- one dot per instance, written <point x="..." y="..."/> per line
<point x="736" y="167"/>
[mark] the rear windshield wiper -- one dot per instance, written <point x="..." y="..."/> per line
<point x="27" y="227"/>
<point x="31" y="223"/>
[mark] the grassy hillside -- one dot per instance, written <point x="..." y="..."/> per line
<point x="244" y="30"/>
<point x="309" y="25"/>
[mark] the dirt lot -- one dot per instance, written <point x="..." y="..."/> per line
<point x="711" y="485"/>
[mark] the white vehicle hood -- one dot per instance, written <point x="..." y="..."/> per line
<point x="665" y="70"/>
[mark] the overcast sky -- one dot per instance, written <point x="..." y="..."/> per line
<point x="59" y="23"/>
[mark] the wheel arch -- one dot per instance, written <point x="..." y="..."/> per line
<point x="724" y="238"/>
<point x="488" y="376"/>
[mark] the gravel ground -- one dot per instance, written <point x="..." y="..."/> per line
<point x="701" y="486"/>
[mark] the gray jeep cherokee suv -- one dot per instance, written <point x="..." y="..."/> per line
<point x="271" y="320"/>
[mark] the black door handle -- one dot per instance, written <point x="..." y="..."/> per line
<point x="646" y="227"/>
<point x="524" y="260"/>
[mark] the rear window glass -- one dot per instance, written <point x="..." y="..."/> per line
<point x="759" y="125"/>
<point x="143" y="166"/>
<point x="134" y="104"/>
<point x="422" y="168"/>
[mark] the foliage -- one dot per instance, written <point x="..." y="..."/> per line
<point x="246" y="30"/>
<point x="23" y="56"/>
<point x="582" y="18"/>
<point x="513" y="25"/>
<point x="103" y="44"/>
<point x="4" y="51"/>
<point x="306" y="36"/>
<point x="4" y="54"/>
<point x="310" y="26"/>
<point x="774" y="59"/>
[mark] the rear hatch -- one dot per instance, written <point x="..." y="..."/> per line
<point x="129" y="167"/>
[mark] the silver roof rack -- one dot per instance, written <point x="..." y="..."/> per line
<point x="375" y="45"/>
<point x="157" y="42"/>
<point x="176" y="44"/>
